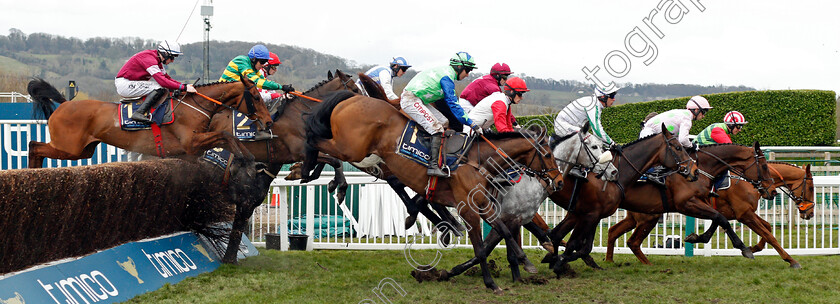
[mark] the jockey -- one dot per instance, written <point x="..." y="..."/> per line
<point x="482" y="87"/>
<point x="248" y="66"/>
<point x="383" y="76"/>
<point x="678" y="121"/>
<point x="719" y="133"/>
<point x="270" y="96"/>
<point x="144" y="74"/>
<point x="436" y="86"/>
<point x="585" y="110"/>
<point x="495" y="109"/>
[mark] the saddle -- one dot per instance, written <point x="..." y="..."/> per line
<point x="163" y="114"/>
<point x="243" y="128"/>
<point x="414" y="145"/>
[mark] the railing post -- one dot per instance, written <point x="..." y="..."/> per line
<point x="310" y="217"/>
<point x="690" y="224"/>
<point x="283" y="205"/>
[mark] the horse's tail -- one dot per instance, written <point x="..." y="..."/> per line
<point x="318" y="125"/>
<point x="43" y="95"/>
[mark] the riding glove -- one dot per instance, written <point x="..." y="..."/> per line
<point x="287" y="88"/>
<point x="476" y="128"/>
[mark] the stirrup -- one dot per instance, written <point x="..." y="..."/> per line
<point x="438" y="171"/>
<point x="137" y="116"/>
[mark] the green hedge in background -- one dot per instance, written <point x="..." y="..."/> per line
<point x="776" y="118"/>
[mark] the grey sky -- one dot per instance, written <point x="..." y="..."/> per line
<point x="764" y="44"/>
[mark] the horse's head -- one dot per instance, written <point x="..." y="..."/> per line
<point x="340" y="81"/>
<point x="759" y="174"/>
<point x="805" y="202"/>
<point x="675" y="157"/>
<point x="538" y="157"/>
<point x="585" y="150"/>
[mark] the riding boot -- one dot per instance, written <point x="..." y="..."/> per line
<point x="434" y="151"/>
<point x="142" y="113"/>
<point x="263" y="135"/>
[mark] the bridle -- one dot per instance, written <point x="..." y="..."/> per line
<point x="683" y="166"/>
<point x="541" y="174"/>
<point x="247" y="97"/>
<point x="803" y="203"/>
<point x="742" y="174"/>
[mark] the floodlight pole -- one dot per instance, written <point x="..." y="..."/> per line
<point x="207" y="12"/>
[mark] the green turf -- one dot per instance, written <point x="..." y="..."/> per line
<point x="344" y="276"/>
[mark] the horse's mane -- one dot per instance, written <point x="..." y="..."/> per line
<point x="213" y="83"/>
<point x="725" y="144"/>
<point x="783" y="163"/>
<point x="638" y="140"/>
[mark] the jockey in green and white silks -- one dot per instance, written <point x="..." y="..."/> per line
<point x="678" y="121"/>
<point x="719" y="133"/>
<point x="436" y="87"/>
<point x="585" y="110"/>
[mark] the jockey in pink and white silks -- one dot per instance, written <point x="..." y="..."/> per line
<point x="495" y="109"/>
<point x="270" y="97"/>
<point x="436" y="87"/>
<point x="144" y="74"/>
<point x="384" y="75"/>
<point x="678" y="121"/>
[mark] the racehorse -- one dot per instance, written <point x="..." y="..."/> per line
<point x="737" y="202"/>
<point x="78" y="126"/>
<point x="288" y="125"/>
<point x="599" y="198"/>
<point x="684" y="196"/>
<point x="520" y="202"/>
<point x="353" y="128"/>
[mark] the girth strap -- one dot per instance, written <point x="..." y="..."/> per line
<point x="158" y="137"/>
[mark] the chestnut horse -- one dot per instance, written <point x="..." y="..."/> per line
<point x="599" y="198"/>
<point x="78" y="126"/>
<point x="686" y="197"/>
<point x="288" y="125"/>
<point x="357" y="128"/>
<point x="739" y="202"/>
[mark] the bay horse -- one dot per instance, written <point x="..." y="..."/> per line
<point x="76" y="127"/>
<point x="685" y="196"/>
<point x="353" y="128"/>
<point x="288" y="125"/>
<point x="739" y="202"/>
<point x="596" y="198"/>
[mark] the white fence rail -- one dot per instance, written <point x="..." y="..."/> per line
<point x="14" y="97"/>
<point x="373" y="216"/>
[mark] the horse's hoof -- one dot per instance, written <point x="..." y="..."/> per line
<point x="795" y="265"/>
<point x="444" y="275"/>
<point x="747" y="254"/>
<point x="692" y="238"/>
<point x="549" y="258"/>
<point x="530" y="268"/>
<point x="331" y="186"/>
<point x="548" y="246"/>
<point x="498" y="291"/>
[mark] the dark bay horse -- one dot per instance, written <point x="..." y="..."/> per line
<point x="78" y="126"/>
<point x="685" y="197"/>
<point x="288" y="125"/>
<point x="739" y="202"/>
<point x="353" y="128"/>
<point x="597" y="198"/>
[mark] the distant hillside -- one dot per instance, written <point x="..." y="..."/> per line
<point x="94" y="62"/>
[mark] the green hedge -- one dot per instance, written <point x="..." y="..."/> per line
<point x="776" y="118"/>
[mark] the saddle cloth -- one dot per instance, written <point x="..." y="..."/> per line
<point x="164" y="114"/>
<point x="243" y="128"/>
<point x="414" y="145"/>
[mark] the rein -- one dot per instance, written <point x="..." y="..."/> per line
<point x="739" y="173"/>
<point x="299" y="94"/>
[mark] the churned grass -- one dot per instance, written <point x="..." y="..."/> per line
<point x="343" y="276"/>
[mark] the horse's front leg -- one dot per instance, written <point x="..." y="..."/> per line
<point x="697" y="208"/>
<point x="756" y="224"/>
<point x="616" y="231"/>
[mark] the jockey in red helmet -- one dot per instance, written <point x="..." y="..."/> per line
<point x="495" y="109"/>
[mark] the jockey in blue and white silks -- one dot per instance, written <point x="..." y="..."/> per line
<point x="384" y="75"/>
